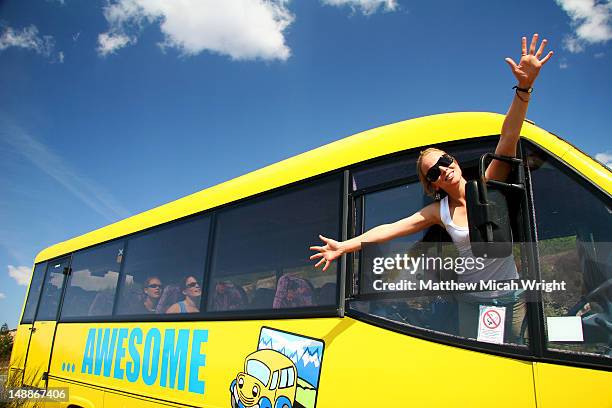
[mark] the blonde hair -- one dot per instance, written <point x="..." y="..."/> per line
<point x="427" y="186"/>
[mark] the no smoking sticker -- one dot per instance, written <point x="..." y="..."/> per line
<point x="491" y="324"/>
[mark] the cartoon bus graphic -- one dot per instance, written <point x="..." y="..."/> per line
<point x="283" y="373"/>
<point x="268" y="380"/>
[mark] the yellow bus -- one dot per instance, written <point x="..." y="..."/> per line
<point x="171" y="307"/>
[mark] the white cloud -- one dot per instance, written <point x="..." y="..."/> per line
<point x="605" y="158"/>
<point x="573" y="44"/>
<point x="563" y="65"/>
<point x="591" y="21"/>
<point x="599" y="55"/>
<point x="240" y="29"/>
<point x="87" y="191"/>
<point x="27" y="38"/>
<point x="2" y="296"/>
<point x="367" y="7"/>
<point x="109" y="43"/>
<point x="21" y="274"/>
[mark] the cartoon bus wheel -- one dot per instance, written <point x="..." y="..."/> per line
<point x="269" y="380"/>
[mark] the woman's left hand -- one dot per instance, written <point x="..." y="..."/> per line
<point x="528" y="68"/>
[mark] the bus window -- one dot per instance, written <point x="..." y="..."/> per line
<point x="450" y="313"/>
<point x="260" y="260"/>
<point x="52" y="289"/>
<point x="93" y="281"/>
<point x="164" y="269"/>
<point x="574" y="229"/>
<point x="34" y="293"/>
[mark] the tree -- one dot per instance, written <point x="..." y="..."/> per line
<point x="6" y="342"/>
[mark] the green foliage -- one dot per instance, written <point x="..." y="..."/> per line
<point x="556" y="245"/>
<point x="6" y="342"/>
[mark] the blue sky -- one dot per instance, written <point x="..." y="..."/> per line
<point x="108" y="109"/>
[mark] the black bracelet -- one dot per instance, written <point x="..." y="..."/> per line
<point x="517" y="89"/>
<point x="526" y="90"/>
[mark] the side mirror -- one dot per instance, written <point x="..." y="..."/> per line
<point x="487" y="211"/>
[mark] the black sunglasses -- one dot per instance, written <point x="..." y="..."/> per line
<point x="193" y="284"/>
<point x="434" y="171"/>
<point x="154" y="286"/>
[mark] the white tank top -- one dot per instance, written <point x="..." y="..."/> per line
<point x="494" y="268"/>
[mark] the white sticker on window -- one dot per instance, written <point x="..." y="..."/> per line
<point x="565" y="328"/>
<point x="491" y="324"/>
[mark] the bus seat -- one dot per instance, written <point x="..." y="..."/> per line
<point x="170" y="295"/>
<point x="327" y="294"/>
<point x="293" y="292"/>
<point x="228" y="297"/>
<point x="263" y="299"/>
<point x="102" y="304"/>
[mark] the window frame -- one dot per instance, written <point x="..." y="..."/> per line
<point x="23" y="320"/>
<point x="158" y="228"/>
<point x="525" y="352"/>
<point x="61" y="318"/>
<point x="335" y="310"/>
<point x="60" y="300"/>
<point x="544" y="353"/>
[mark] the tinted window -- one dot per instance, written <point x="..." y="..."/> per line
<point x="93" y="281"/>
<point x="574" y="227"/>
<point x="34" y="293"/>
<point x="52" y="289"/>
<point x="261" y="250"/>
<point x="164" y="268"/>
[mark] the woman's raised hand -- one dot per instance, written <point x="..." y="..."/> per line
<point x="331" y="251"/>
<point x="530" y="63"/>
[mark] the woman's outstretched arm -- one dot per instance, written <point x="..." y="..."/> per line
<point x="418" y="221"/>
<point x="525" y="72"/>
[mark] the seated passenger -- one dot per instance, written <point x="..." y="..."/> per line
<point x="292" y="292"/>
<point x="193" y="294"/>
<point x="152" y="290"/>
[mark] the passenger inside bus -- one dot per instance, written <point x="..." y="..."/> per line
<point x="193" y="293"/>
<point x="152" y="290"/>
<point x="443" y="179"/>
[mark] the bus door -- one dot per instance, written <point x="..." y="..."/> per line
<point x="22" y="338"/>
<point x="45" y="321"/>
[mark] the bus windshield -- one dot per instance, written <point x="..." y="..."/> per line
<point x="258" y="370"/>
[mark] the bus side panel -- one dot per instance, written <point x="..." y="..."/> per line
<point x="563" y="386"/>
<point x="18" y="355"/>
<point x="79" y="395"/>
<point x="153" y="360"/>
<point x="366" y="366"/>
<point x="116" y="400"/>
<point x="339" y="362"/>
